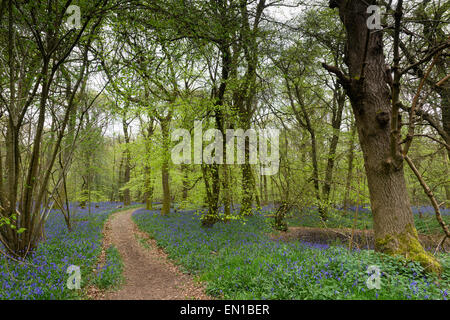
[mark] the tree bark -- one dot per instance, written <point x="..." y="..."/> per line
<point x="266" y="197"/>
<point x="447" y="184"/>
<point x="148" y="194"/>
<point x="351" y="156"/>
<point x="370" y="96"/>
<point x="444" y="92"/>
<point x="226" y="190"/>
<point x="212" y="185"/>
<point x="165" y="167"/>
<point x="127" y="169"/>
<point x="338" y="108"/>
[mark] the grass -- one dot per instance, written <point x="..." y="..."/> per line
<point x="142" y="241"/>
<point x="238" y="260"/>
<point x="110" y="275"/>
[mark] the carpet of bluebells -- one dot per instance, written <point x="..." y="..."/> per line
<point x="43" y="275"/>
<point x="238" y="260"/>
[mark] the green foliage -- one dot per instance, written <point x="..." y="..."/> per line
<point x="425" y="224"/>
<point x="93" y="196"/>
<point x="10" y="222"/>
<point x="238" y="261"/>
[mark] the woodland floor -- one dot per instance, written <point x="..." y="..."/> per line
<point x="361" y="238"/>
<point x="148" y="273"/>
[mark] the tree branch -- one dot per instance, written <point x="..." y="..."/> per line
<point x="430" y="195"/>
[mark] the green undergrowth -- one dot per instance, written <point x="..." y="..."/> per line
<point x="110" y="275"/>
<point x="425" y="224"/>
<point x="238" y="260"/>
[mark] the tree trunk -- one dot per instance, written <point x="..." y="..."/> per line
<point x="226" y="190"/>
<point x="336" y="125"/>
<point x="447" y="184"/>
<point x="127" y="169"/>
<point x="247" y="188"/>
<point x="2" y="196"/>
<point x="445" y="107"/>
<point x="266" y="197"/>
<point x="370" y="96"/>
<point x="351" y="156"/>
<point x="212" y="185"/>
<point x="185" y="182"/>
<point x="303" y="118"/>
<point x="322" y="210"/>
<point x="121" y="177"/>
<point x="165" y="168"/>
<point x="148" y="183"/>
<point x="148" y="194"/>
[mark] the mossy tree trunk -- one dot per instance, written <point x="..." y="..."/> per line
<point x="212" y="187"/>
<point x="247" y="188"/>
<point x="370" y="96"/>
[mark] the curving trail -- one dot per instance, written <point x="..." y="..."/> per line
<point x="148" y="273"/>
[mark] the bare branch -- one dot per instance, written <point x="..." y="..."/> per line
<point x="430" y="195"/>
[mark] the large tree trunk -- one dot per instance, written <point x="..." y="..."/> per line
<point x="369" y="94"/>
<point x="212" y="185"/>
<point x="245" y="94"/>
<point x="210" y="172"/>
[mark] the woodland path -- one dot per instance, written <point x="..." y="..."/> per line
<point x="148" y="273"/>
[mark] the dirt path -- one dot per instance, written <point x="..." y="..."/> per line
<point x="148" y="273"/>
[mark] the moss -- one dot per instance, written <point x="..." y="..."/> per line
<point x="407" y="245"/>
